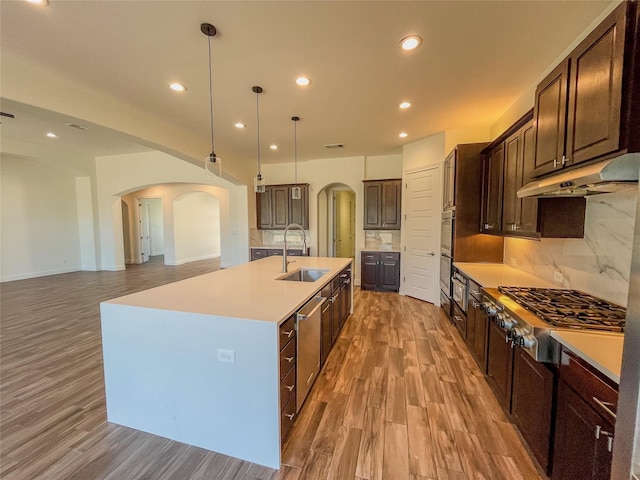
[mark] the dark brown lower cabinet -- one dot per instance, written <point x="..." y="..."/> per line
<point x="477" y="332"/>
<point x="288" y="357"/>
<point x="380" y="271"/>
<point x="585" y="418"/>
<point x="325" y="331"/>
<point x="459" y="319"/>
<point x="500" y="365"/>
<point x="532" y="403"/>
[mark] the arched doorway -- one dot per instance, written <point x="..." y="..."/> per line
<point x="337" y="221"/>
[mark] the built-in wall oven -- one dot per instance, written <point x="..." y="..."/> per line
<point x="460" y="285"/>
<point x="446" y="254"/>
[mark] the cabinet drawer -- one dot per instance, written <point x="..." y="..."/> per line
<point x="601" y="396"/>
<point x="287" y="331"/>
<point x="257" y="253"/>
<point x="275" y="253"/>
<point x="370" y="257"/>
<point x="393" y="257"/>
<point x="287" y="418"/>
<point x="287" y="357"/>
<point x="287" y="387"/>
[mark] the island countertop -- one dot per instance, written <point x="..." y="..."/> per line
<point x="249" y="291"/>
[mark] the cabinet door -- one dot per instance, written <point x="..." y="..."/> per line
<point x="369" y="271"/>
<point x="299" y="208"/>
<point x="459" y="320"/>
<point x="372" y="205"/>
<point x="550" y="112"/>
<point x="335" y="315"/>
<point x="449" y="181"/>
<point x="480" y="333"/>
<point x="325" y="332"/>
<point x="265" y="209"/>
<point x="390" y="272"/>
<point x="532" y="402"/>
<point x="577" y="452"/>
<point x="500" y="365"/>
<point x="512" y="164"/>
<point x="595" y="91"/>
<point x="280" y="199"/>
<point x="391" y="207"/>
<point x="492" y="211"/>
<point x="528" y="221"/>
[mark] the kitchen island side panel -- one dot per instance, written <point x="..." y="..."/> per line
<point x="162" y="376"/>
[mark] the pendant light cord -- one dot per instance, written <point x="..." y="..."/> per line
<point x="258" y="123"/>
<point x="211" y="99"/>
<point x="295" y="150"/>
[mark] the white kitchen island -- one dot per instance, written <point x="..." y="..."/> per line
<point x="197" y="361"/>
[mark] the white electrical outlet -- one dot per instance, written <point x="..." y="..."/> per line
<point x="558" y="277"/>
<point x="512" y="261"/>
<point x="226" y="356"/>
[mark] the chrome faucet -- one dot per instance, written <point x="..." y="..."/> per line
<point x="284" y="249"/>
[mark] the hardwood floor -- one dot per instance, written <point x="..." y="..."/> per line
<point x="399" y="397"/>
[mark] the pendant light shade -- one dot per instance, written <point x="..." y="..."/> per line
<point x="296" y="191"/>
<point x="259" y="183"/>
<point x="212" y="163"/>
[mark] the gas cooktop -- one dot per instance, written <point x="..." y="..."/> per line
<point x="569" y="308"/>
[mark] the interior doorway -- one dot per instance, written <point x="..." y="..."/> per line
<point x="344" y="224"/>
<point x="151" y="222"/>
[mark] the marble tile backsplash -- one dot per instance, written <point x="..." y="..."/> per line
<point x="382" y="239"/>
<point x="275" y="238"/>
<point x="599" y="263"/>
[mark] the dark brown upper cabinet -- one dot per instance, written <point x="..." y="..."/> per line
<point x="448" y="196"/>
<point x="588" y="108"/>
<point x="276" y="209"/>
<point x="382" y="204"/>
<point x="509" y="164"/>
<point x="492" y="194"/>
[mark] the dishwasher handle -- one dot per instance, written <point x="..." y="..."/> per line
<point x="310" y="308"/>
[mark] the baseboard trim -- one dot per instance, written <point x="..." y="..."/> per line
<point x="43" y="273"/>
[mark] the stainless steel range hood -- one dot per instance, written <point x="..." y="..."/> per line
<point x="608" y="176"/>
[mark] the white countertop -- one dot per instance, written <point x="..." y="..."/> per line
<point x="603" y="351"/>
<point x="249" y="291"/>
<point x="493" y="275"/>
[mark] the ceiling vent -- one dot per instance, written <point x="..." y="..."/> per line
<point x="5" y="114"/>
<point x="76" y="126"/>
<point x="334" y="145"/>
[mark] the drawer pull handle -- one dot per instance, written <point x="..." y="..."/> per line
<point x="290" y="387"/>
<point x="606" y="406"/>
<point x="610" y="443"/>
<point x="288" y="333"/>
<point x="600" y="432"/>
<point x="289" y="359"/>
<point x="290" y="415"/>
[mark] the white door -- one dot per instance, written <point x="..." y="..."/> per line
<point x="422" y="217"/>
<point x="145" y="242"/>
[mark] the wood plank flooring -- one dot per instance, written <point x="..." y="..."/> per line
<point x="399" y="397"/>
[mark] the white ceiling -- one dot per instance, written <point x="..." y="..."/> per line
<point x="477" y="58"/>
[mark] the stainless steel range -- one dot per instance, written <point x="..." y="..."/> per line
<point x="528" y="315"/>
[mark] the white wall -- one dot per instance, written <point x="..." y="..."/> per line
<point x="196" y="227"/>
<point x="423" y="153"/>
<point x="157" y="168"/>
<point x="38" y="218"/>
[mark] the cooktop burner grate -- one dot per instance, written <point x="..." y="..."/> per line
<point x="569" y="308"/>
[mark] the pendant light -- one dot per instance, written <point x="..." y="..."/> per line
<point x="212" y="163"/>
<point x="296" y="191"/>
<point x="259" y="184"/>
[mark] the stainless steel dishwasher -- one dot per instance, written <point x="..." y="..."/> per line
<point x="308" y="338"/>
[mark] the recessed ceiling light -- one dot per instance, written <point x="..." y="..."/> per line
<point x="51" y="135"/>
<point x="240" y="125"/>
<point x="403" y="135"/>
<point x="405" y="105"/>
<point x="273" y="147"/>
<point x="39" y="2"/>
<point x="411" y="42"/>
<point x="303" y="81"/>
<point x="177" y="87"/>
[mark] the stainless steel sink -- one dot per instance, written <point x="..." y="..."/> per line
<point x="303" y="275"/>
